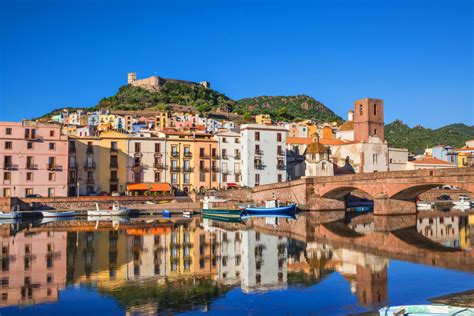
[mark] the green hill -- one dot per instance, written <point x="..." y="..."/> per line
<point x="418" y="138"/>
<point x="297" y="107"/>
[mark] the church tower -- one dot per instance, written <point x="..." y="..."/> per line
<point x="368" y="119"/>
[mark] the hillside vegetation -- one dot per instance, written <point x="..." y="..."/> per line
<point x="418" y="138"/>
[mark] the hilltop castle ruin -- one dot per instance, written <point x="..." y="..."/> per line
<point x="154" y="83"/>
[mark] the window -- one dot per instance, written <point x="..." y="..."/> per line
<point x="29" y="145"/>
<point x="375" y="131"/>
<point x="29" y="176"/>
<point x="374" y="158"/>
<point x="137" y="147"/>
<point x="280" y="178"/>
<point x="224" y="140"/>
<point x="375" y="109"/>
<point x="28" y="191"/>
<point x="51" y="176"/>
<point x="8" y="131"/>
<point x="157" y="147"/>
<point x="157" y="177"/>
<point x="50" y="192"/>
<point x="113" y="146"/>
<point x="278" y="137"/>
<point x="52" y="146"/>
<point x="7" y="176"/>
<point x="257" y="136"/>
<point x="8" y="145"/>
<point x="361" y="109"/>
<point x="257" y="179"/>
<point x="51" y="133"/>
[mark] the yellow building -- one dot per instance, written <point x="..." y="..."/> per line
<point x="98" y="164"/>
<point x="263" y="119"/>
<point x="179" y="160"/>
<point x="162" y="120"/>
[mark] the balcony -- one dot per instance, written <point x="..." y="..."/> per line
<point x="215" y="157"/>
<point x="137" y="168"/>
<point x="90" y="150"/>
<point x="188" y="169"/>
<point x="258" y="166"/>
<point x="72" y="166"/>
<point x="175" y="154"/>
<point x="114" y="164"/>
<point x="258" y="152"/>
<point x="281" y="166"/>
<point x="113" y="180"/>
<point x="204" y="169"/>
<point x="225" y="157"/>
<point x="188" y="154"/>
<point x="159" y="166"/>
<point x="175" y="169"/>
<point x="89" y="166"/>
<point x="138" y="154"/>
<point x="281" y="153"/>
<point x="90" y="181"/>
<point x="54" y="167"/>
<point x="31" y="166"/>
<point x="215" y="169"/>
<point x="157" y="154"/>
<point x="203" y="156"/>
<point x="10" y="166"/>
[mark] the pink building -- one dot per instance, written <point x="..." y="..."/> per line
<point x="33" y="159"/>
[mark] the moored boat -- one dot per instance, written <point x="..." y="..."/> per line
<point x="434" y="309"/>
<point x="114" y="210"/>
<point x="219" y="207"/>
<point x="58" y="214"/>
<point x="286" y="210"/>
<point x="463" y="200"/>
<point x="10" y="215"/>
<point x="166" y="214"/>
<point x="424" y="206"/>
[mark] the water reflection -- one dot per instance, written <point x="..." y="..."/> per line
<point x="157" y="266"/>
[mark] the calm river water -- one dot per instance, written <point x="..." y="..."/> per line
<point x="320" y="264"/>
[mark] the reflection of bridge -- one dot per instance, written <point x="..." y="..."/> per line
<point x="393" y="236"/>
<point x="392" y="192"/>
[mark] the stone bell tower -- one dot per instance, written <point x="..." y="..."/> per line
<point x="368" y="119"/>
<point x="132" y="77"/>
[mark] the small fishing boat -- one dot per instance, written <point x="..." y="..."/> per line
<point x="114" y="210"/>
<point x="434" y="309"/>
<point x="58" y="214"/>
<point x="220" y="207"/>
<point x="464" y="200"/>
<point x="271" y="209"/>
<point x="166" y="214"/>
<point x="424" y="206"/>
<point x="188" y="213"/>
<point x="223" y="218"/>
<point x="10" y="215"/>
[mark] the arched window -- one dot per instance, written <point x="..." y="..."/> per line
<point x="375" y="109"/>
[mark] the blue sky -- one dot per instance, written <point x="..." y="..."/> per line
<point x="416" y="55"/>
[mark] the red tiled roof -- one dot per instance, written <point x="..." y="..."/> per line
<point x="332" y="141"/>
<point x="299" y="140"/>
<point x="431" y="161"/>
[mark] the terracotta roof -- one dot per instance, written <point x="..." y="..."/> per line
<point x="465" y="148"/>
<point x="431" y="161"/>
<point x="332" y="141"/>
<point x="347" y="126"/>
<point x="315" y="148"/>
<point x="298" y="140"/>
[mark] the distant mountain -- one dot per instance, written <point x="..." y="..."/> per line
<point x="418" y="138"/>
<point x="295" y="107"/>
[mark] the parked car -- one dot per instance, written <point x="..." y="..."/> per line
<point x="115" y="194"/>
<point x="444" y="197"/>
<point x="33" y="196"/>
<point x="103" y="193"/>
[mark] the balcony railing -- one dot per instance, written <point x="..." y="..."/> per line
<point x="9" y="166"/>
<point x="215" y="169"/>
<point x="137" y="168"/>
<point x="188" y="169"/>
<point x="138" y="154"/>
<point x="113" y="180"/>
<point x="175" y="169"/>
<point x="159" y="166"/>
<point x="258" y="166"/>
<point x="281" y="167"/>
<point x="188" y="154"/>
<point x="114" y="164"/>
<point x="258" y="152"/>
<point x="215" y="156"/>
<point x="225" y="157"/>
<point x="175" y="154"/>
<point x="204" y="169"/>
<point x="89" y="165"/>
<point x="157" y="154"/>
<point x="31" y="166"/>
<point x="203" y="156"/>
<point x="54" y="167"/>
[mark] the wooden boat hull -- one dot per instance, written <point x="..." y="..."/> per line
<point x="122" y="212"/>
<point x="270" y="211"/>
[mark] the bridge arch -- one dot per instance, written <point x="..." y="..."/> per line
<point x="339" y="193"/>
<point x="410" y="193"/>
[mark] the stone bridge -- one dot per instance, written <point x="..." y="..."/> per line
<point x="392" y="192"/>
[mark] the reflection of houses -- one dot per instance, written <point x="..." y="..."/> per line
<point x="264" y="264"/>
<point x="33" y="268"/>
<point x="230" y="256"/>
<point x="444" y="230"/>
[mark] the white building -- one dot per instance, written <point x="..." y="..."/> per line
<point x="230" y="256"/>
<point x="317" y="162"/>
<point x="263" y="154"/>
<point x="346" y="130"/>
<point x="397" y="159"/>
<point x="429" y="163"/>
<point x="230" y="150"/>
<point x="148" y="157"/>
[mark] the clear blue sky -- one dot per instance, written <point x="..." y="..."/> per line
<point x="416" y="55"/>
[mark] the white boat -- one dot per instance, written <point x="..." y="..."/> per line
<point x="114" y="210"/>
<point x="464" y="200"/>
<point x="424" y="206"/>
<point x="58" y="214"/>
<point x="10" y="215"/>
<point x="188" y="213"/>
<point x="434" y="309"/>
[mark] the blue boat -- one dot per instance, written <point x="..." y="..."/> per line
<point x="166" y="214"/>
<point x="282" y="211"/>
